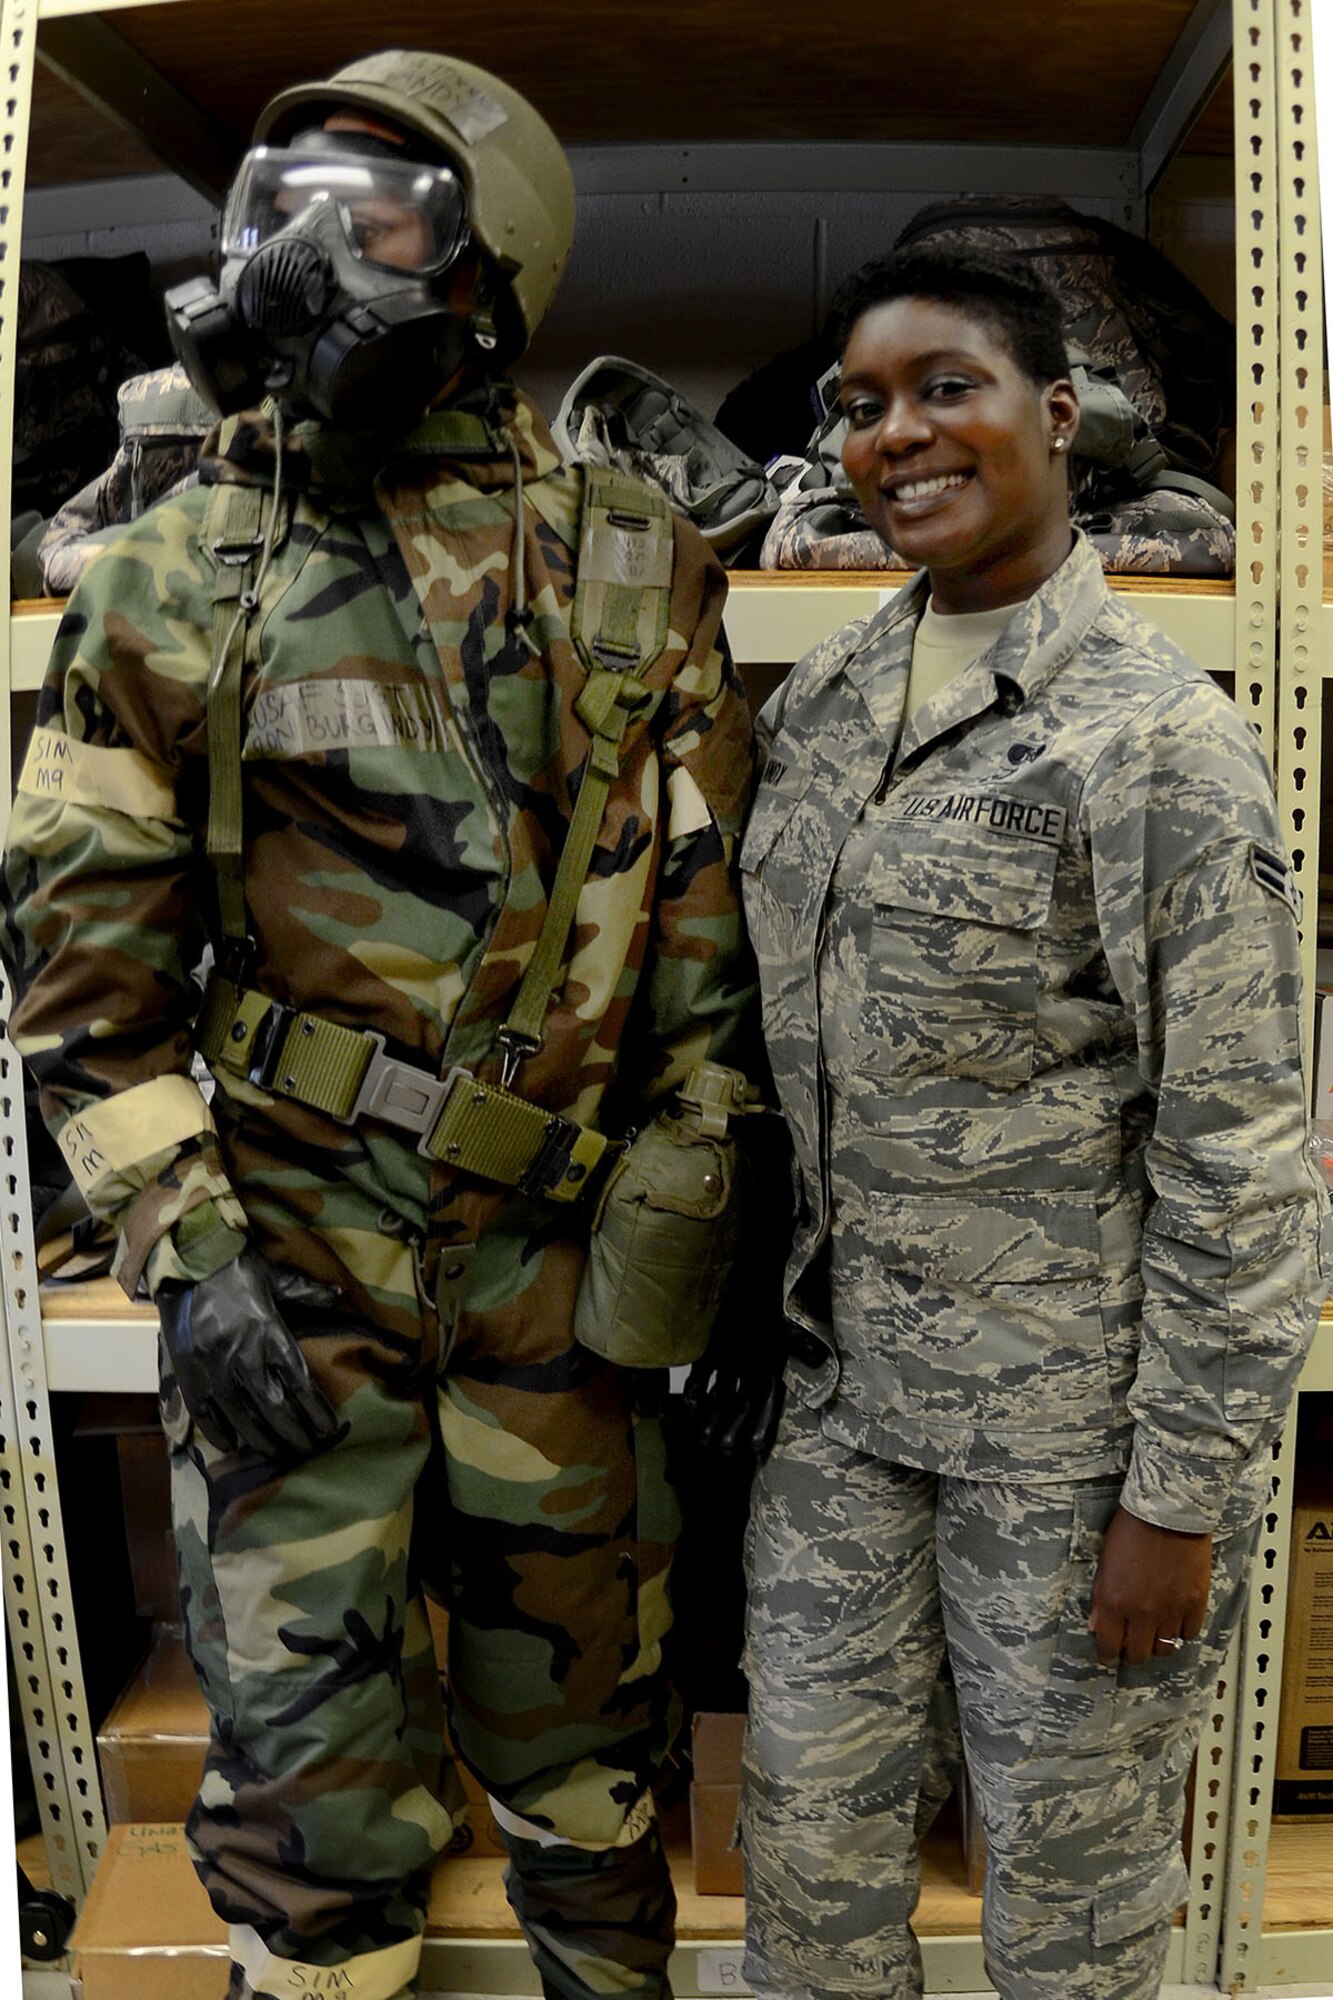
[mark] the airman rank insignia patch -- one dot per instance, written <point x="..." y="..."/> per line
<point x="1273" y="872"/>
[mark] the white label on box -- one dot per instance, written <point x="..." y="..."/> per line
<point x="720" y="1972"/>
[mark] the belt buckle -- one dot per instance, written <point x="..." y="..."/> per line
<point x="550" y="1163"/>
<point x="267" y="1045"/>
<point x="400" y="1094"/>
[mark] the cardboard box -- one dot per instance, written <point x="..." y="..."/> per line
<point x="715" y="1799"/>
<point x="151" y="1746"/>
<point x="145" y="1486"/>
<point x="1303" y="1786"/>
<point x="147" y="1930"/>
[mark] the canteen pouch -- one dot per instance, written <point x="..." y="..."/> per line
<point x="662" y="1245"/>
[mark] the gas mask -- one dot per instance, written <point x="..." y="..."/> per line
<point x="332" y="285"/>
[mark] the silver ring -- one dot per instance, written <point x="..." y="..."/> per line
<point x="1172" y="1643"/>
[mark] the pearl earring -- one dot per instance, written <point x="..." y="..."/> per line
<point x="1058" y="444"/>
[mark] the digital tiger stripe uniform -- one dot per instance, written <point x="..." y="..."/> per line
<point x="1031" y="997"/>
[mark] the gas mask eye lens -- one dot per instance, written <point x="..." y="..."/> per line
<point x="395" y="214"/>
<point x="393" y="234"/>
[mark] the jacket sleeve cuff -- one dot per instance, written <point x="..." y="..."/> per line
<point x="1190" y="1495"/>
<point x="144" y="1159"/>
<point x="205" y="1238"/>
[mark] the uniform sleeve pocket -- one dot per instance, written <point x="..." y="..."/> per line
<point x="774" y="804"/>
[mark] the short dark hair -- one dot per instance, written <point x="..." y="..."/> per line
<point x="999" y="292"/>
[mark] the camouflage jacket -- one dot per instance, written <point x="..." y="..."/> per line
<point x="1031" y="998"/>
<point x="410" y="762"/>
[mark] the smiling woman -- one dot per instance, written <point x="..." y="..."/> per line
<point x="1021" y="907"/>
<point x="956" y="431"/>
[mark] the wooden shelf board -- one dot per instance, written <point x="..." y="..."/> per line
<point x="743" y="580"/>
<point x="467" y="1898"/>
<point x="877" y="74"/>
<point x="1298" y="1890"/>
<point x="774" y="616"/>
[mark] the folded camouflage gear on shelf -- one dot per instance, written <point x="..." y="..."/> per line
<point x="68" y="362"/>
<point x="1149" y="534"/>
<point x="1152" y="361"/>
<point x="1161" y="534"/>
<point x="163" y="423"/>
<point x="619" y="414"/>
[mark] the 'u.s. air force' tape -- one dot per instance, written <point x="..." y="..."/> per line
<point x="1273" y="872"/>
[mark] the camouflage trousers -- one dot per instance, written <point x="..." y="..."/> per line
<point x="534" y="1497"/>
<point x="863" y="1577"/>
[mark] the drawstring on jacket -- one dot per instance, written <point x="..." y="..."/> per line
<point x="519" y="620"/>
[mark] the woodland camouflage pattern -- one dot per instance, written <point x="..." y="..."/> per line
<point x="1031" y="996"/>
<point x="409" y="765"/>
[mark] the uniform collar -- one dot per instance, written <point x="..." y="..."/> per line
<point x="1044" y="632"/>
<point x="476" y="438"/>
<point x="1047" y="630"/>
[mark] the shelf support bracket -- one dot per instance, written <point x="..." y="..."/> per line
<point x="101" y="65"/>
<point x="1193" y="70"/>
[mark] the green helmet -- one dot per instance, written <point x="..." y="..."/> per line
<point x="519" y="187"/>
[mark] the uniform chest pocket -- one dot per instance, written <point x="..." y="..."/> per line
<point x="774" y="803"/>
<point x="954" y="974"/>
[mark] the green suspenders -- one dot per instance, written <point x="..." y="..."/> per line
<point x="618" y="625"/>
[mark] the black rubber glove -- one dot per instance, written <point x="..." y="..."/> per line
<point x="733" y="1393"/>
<point x="238" y="1365"/>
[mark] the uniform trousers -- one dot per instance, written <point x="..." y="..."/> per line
<point x="530" y="1491"/>
<point x="862" y="1575"/>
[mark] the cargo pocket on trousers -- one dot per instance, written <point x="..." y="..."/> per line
<point x="1077" y="1707"/>
<point x="1147" y="1901"/>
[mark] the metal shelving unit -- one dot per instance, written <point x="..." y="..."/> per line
<point x="38" y="1603"/>
<point x="1285" y="167"/>
<point x="82" y="1346"/>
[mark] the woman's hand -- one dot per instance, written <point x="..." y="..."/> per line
<point x="1151" y="1587"/>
